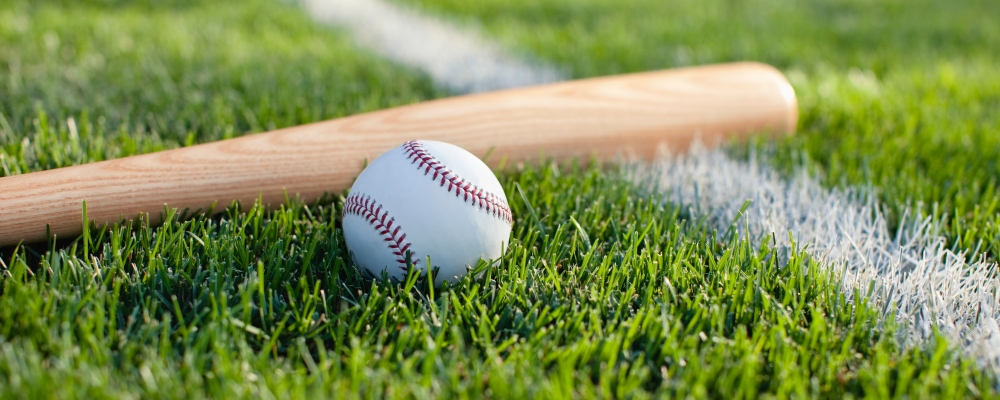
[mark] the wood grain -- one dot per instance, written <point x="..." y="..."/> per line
<point x="607" y="117"/>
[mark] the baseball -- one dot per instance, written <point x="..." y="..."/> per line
<point x="426" y="200"/>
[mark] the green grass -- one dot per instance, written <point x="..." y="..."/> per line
<point x="901" y="94"/>
<point x="605" y="289"/>
<point x="640" y="300"/>
<point x="143" y="78"/>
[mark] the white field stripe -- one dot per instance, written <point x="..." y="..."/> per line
<point x="460" y="60"/>
<point x="910" y="272"/>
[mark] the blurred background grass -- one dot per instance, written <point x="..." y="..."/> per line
<point x="599" y="37"/>
<point x="156" y="75"/>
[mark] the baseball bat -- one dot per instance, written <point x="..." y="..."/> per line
<point x="604" y="117"/>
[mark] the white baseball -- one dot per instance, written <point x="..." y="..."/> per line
<point x="428" y="199"/>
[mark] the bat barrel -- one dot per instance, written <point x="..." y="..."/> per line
<point x="605" y="117"/>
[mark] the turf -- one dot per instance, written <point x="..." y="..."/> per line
<point x="606" y="290"/>
<point x="903" y="95"/>
<point x="86" y="81"/>
<point x="261" y="304"/>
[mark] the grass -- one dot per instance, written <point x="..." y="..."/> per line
<point x="900" y="94"/>
<point x="605" y="290"/>
<point x="261" y="303"/>
<point x="143" y="78"/>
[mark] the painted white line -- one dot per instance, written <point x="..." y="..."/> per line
<point x="460" y="60"/>
<point x="911" y="271"/>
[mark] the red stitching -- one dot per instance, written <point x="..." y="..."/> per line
<point x="364" y="207"/>
<point x="416" y="153"/>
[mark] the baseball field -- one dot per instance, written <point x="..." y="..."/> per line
<point x="855" y="258"/>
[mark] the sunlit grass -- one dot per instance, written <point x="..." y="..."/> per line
<point x="606" y="290"/>
<point x="901" y="95"/>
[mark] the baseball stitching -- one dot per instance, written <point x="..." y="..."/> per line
<point x="364" y="207"/>
<point x="415" y="152"/>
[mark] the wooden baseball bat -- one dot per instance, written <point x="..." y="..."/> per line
<point x="607" y="117"/>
